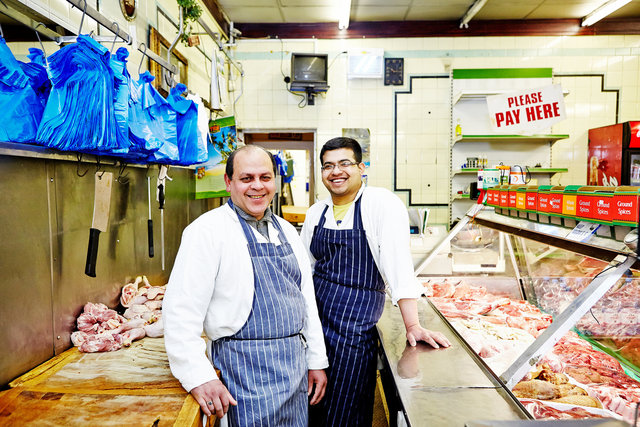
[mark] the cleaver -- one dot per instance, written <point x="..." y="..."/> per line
<point x="101" y="203"/>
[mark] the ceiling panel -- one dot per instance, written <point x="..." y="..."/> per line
<point x="436" y="13"/>
<point x="317" y="11"/>
<point x="378" y="13"/>
<point x="254" y="14"/>
<point x="310" y="3"/>
<point x="311" y="14"/>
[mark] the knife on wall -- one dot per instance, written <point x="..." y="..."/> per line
<point x="101" y="205"/>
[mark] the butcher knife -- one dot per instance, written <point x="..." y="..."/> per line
<point x="150" y="221"/>
<point x="101" y="204"/>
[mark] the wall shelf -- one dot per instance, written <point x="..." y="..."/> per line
<point x="531" y="170"/>
<point x="509" y="138"/>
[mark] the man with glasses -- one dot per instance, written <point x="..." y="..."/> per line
<point x="358" y="240"/>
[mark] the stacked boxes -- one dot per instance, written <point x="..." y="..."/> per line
<point x="567" y="205"/>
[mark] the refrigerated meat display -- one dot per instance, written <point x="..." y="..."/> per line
<point x="557" y="321"/>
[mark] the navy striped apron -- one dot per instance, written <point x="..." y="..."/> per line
<point x="263" y="364"/>
<point x="350" y="297"/>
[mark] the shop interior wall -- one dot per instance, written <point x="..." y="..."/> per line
<point x="46" y="214"/>
<point x="47" y="211"/>
<point x="600" y="72"/>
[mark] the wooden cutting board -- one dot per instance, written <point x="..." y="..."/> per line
<point x="132" y="386"/>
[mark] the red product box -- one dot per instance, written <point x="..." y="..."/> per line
<point x="625" y="206"/>
<point x="531" y="201"/>
<point x="543" y="202"/>
<point x="504" y="196"/>
<point x="596" y="204"/>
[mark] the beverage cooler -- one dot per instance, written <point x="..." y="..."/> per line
<point x="614" y="155"/>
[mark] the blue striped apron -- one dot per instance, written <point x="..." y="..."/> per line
<point x="263" y="364"/>
<point x="350" y="297"/>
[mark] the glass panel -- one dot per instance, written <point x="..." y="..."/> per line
<point x="592" y="371"/>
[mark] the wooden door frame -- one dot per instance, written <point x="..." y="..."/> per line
<point x="252" y="137"/>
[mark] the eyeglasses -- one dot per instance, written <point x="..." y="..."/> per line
<point x="343" y="165"/>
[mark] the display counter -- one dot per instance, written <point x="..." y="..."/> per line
<point x="552" y="312"/>
<point x="426" y="386"/>
<point x="132" y="386"/>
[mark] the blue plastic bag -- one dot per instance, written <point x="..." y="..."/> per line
<point x="187" y="120"/>
<point x="20" y="106"/>
<point x="152" y="122"/>
<point x="79" y="115"/>
<point x="37" y="73"/>
<point x="118" y="64"/>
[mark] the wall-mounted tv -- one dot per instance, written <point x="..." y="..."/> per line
<point x="309" y="72"/>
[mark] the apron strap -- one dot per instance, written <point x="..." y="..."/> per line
<point x="357" y="216"/>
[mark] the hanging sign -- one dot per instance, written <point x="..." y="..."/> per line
<point x="528" y="111"/>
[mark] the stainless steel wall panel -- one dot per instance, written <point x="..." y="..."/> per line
<point x="25" y="289"/>
<point x="44" y="288"/>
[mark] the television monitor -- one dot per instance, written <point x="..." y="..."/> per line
<point x="309" y="72"/>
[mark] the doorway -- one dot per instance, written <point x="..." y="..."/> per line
<point x="298" y="147"/>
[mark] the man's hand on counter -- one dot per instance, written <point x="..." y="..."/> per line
<point x="435" y="339"/>
<point x="214" y="398"/>
<point x="415" y="332"/>
<point x="317" y="378"/>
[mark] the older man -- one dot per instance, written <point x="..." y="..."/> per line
<point x="243" y="276"/>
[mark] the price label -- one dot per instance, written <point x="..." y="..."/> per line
<point x="583" y="231"/>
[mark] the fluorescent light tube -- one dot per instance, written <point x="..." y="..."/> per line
<point x="343" y="15"/>
<point x="603" y="11"/>
<point x="471" y="12"/>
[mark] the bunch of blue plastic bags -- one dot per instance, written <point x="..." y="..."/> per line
<point x="20" y="104"/>
<point x="82" y="98"/>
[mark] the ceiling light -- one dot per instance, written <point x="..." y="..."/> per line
<point x="471" y="12"/>
<point x="343" y="14"/>
<point x="603" y="11"/>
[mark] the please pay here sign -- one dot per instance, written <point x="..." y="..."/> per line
<point x="526" y="111"/>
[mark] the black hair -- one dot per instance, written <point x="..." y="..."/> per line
<point x="342" y="142"/>
<point x="229" y="168"/>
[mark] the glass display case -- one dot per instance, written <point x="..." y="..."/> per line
<point x="556" y="317"/>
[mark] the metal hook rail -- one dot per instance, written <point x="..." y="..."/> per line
<point x="100" y="19"/>
<point x="169" y="76"/>
<point x="216" y="39"/>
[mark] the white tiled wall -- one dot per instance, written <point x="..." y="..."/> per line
<point x="423" y="116"/>
<point x="423" y="153"/>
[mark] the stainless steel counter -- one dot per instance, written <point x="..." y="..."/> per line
<point x="444" y="387"/>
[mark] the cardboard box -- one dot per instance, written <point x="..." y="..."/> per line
<point x="625" y="206"/>
<point x="544" y="191"/>
<point x="555" y="200"/>
<point x="595" y="204"/>
<point x="570" y="201"/>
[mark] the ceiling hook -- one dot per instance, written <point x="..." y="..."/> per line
<point x="122" y="177"/>
<point x="144" y="54"/>
<point x="79" y="156"/>
<point x="116" y="37"/>
<point x="40" y="41"/>
<point x="99" y="166"/>
<point x="84" y="12"/>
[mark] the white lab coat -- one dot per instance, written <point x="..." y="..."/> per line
<point x="212" y="284"/>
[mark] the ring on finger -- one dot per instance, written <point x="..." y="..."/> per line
<point x="209" y="403"/>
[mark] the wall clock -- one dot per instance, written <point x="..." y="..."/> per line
<point x="394" y="71"/>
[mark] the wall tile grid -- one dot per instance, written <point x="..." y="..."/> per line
<point x="423" y="117"/>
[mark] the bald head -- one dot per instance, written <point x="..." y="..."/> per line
<point x="230" y="160"/>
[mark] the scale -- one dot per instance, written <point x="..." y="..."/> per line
<point x="478" y="250"/>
